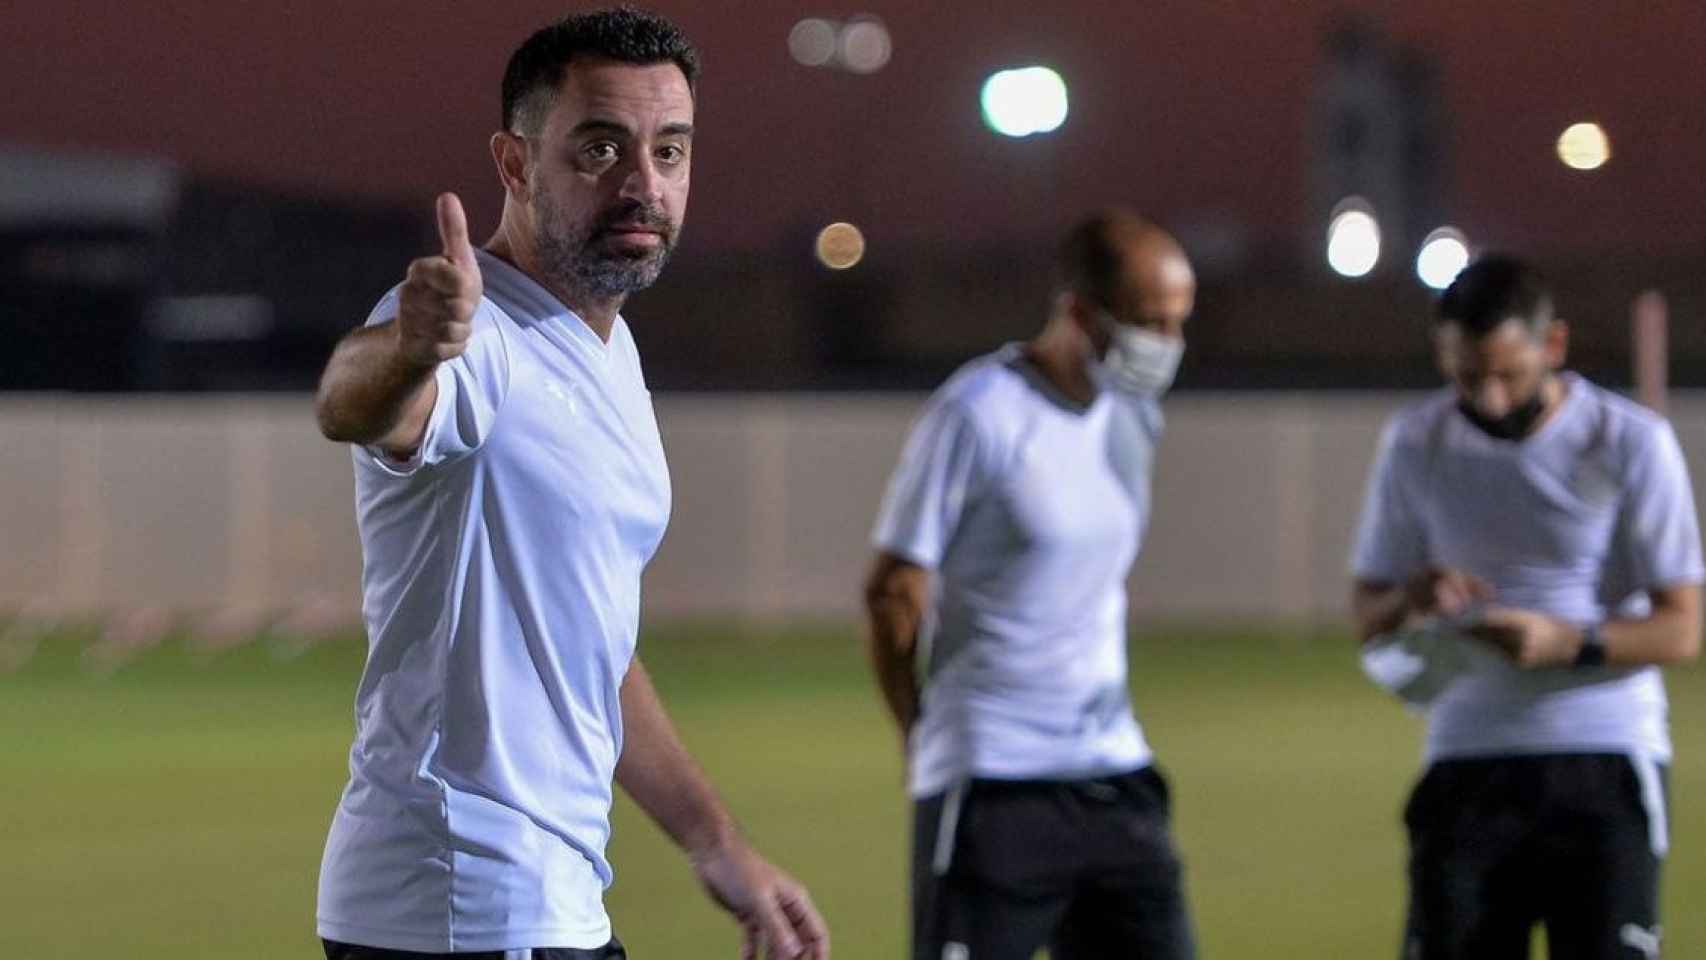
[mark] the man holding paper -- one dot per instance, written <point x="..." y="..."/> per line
<point x="1528" y="557"/>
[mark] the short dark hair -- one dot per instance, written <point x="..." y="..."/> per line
<point x="625" y="34"/>
<point x="1089" y="261"/>
<point x="1496" y="288"/>
<point x="1092" y="260"/>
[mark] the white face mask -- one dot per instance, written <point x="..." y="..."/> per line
<point x="1139" y="362"/>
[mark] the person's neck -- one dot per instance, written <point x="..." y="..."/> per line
<point x="1552" y="392"/>
<point x="598" y="313"/>
<point x="1058" y="354"/>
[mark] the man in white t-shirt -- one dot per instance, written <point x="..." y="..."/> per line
<point x="1003" y="546"/>
<point x="510" y="488"/>
<point x="1536" y="535"/>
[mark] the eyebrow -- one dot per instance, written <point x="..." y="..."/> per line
<point x="676" y="129"/>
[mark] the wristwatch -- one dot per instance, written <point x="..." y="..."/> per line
<point x="1592" y="651"/>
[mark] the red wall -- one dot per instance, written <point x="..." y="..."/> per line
<point x="1181" y="107"/>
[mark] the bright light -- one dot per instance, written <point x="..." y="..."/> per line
<point x="840" y="246"/>
<point x="1584" y="146"/>
<point x="865" y="45"/>
<point x="1444" y="253"/>
<point x="812" y="42"/>
<point x="1353" y="239"/>
<point x="1027" y="100"/>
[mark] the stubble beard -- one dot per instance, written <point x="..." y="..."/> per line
<point x="572" y="255"/>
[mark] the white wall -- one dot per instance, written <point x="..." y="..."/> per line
<point x="234" y="503"/>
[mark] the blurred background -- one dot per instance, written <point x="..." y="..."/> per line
<point x="197" y="199"/>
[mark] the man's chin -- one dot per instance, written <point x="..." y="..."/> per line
<point x="627" y="255"/>
<point x="626" y="274"/>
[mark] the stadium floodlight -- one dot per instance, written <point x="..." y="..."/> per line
<point x="813" y="42"/>
<point x="1584" y="146"/>
<point x="1024" y="101"/>
<point x="1444" y="253"/>
<point x="840" y="246"/>
<point x="1353" y="239"/>
<point x="865" y="45"/>
<point x="861" y="44"/>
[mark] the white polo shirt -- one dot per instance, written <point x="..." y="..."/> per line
<point x="1577" y="520"/>
<point x="1029" y="510"/>
<point x="501" y="587"/>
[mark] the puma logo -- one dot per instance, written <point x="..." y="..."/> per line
<point x="1639" y="938"/>
<point x="556" y="389"/>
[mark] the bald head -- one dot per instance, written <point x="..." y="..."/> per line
<point x="1121" y="263"/>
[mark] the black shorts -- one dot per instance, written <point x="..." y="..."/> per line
<point x="349" y="951"/>
<point x="1501" y="844"/>
<point x="1002" y="868"/>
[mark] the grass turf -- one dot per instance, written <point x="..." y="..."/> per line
<point x="176" y="807"/>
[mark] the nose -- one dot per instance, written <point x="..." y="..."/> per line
<point x="1489" y="397"/>
<point x="643" y="183"/>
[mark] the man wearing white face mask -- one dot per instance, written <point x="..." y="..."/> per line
<point x="997" y="612"/>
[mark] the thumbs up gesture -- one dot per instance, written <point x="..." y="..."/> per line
<point x="437" y="301"/>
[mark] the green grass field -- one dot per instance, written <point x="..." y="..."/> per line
<point x="176" y="807"/>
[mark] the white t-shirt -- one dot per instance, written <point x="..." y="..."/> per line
<point x="1577" y="521"/>
<point x="1029" y="510"/>
<point x="501" y="586"/>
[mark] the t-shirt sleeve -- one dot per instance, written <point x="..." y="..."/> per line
<point x="1659" y="523"/>
<point x="471" y="390"/>
<point x="942" y="470"/>
<point x="1390" y="543"/>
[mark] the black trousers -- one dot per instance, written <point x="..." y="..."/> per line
<point x="1002" y="868"/>
<point x="349" y="951"/>
<point x="1500" y="844"/>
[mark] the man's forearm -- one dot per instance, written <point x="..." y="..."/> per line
<point x="891" y="655"/>
<point x="1670" y="635"/>
<point x="896" y="592"/>
<point x="658" y="773"/>
<point x="369" y="391"/>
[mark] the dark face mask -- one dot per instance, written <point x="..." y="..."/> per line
<point x="1514" y="425"/>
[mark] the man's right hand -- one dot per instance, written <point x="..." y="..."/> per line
<point x="1444" y="591"/>
<point x="435" y="307"/>
<point x="777" y="918"/>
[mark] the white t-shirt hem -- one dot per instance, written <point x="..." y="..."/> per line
<point x="521" y="938"/>
<point x="1658" y="752"/>
<point x="910" y="553"/>
<point x="927" y="783"/>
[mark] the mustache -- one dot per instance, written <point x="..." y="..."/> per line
<point x="628" y="214"/>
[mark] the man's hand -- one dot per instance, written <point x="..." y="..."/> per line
<point x="777" y="919"/>
<point x="435" y="307"/>
<point x="1444" y="591"/>
<point x="776" y="916"/>
<point x="1528" y="638"/>
<point x="378" y="386"/>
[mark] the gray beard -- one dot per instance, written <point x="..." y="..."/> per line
<point x="570" y="258"/>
